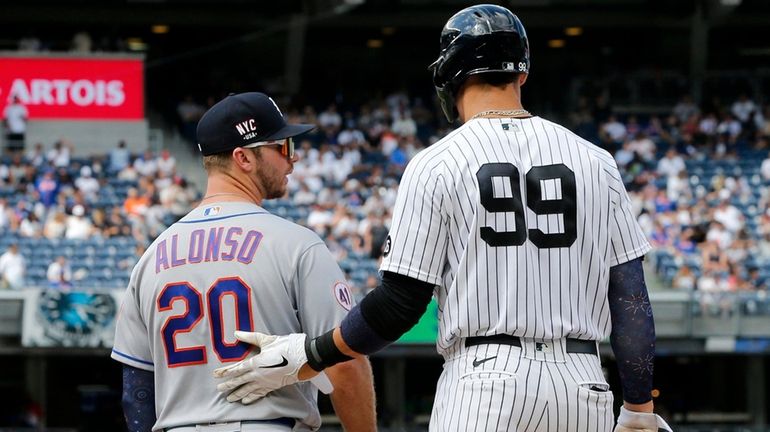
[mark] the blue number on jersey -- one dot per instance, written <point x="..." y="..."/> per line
<point x="182" y="323"/>
<point x="193" y="313"/>
<point x="235" y="351"/>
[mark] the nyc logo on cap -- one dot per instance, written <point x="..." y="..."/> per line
<point x="212" y="211"/>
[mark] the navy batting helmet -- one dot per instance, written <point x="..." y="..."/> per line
<point x="479" y="39"/>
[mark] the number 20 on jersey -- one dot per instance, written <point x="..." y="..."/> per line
<point x="192" y="315"/>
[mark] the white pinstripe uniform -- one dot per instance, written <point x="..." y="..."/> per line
<point x="459" y="223"/>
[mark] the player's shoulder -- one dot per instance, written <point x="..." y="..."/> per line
<point x="587" y="148"/>
<point x="436" y="155"/>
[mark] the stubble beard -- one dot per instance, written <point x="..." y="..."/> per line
<point x="272" y="181"/>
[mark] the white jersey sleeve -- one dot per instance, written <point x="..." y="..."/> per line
<point x="417" y="244"/>
<point x="132" y="344"/>
<point x="324" y="297"/>
<point x="627" y="240"/>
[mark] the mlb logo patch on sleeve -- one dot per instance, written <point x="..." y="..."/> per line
<point x="343" y="295"/>
<point x="211" y="211"/>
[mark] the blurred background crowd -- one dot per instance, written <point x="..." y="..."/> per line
<point x="697" y="177"/>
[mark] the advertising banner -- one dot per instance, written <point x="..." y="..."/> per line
<point x="74" y="88"/>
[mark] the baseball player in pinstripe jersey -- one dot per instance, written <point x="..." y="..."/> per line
<point x="230" y="265"/>
<point x="524" y="234"/>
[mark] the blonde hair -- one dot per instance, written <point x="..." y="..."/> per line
<point x="217" y="162"/>
<point x="220" y="162"/>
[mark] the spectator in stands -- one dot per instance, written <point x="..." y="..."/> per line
<point x="708" y="125"/>
<point x="612" y="132"/>
<point x="166" y="163"/>
<point x="684" y="279"/>
<point x="15" y="116"/>
<point x="765" y="168"/>
<point x="12" y="268"/>
<point x="79" y="227"/>
<point x="87" y="184"/>
<point x="729" y="127"/>
<point x="120" y="157"/>
<point x="117" y="225"/>
<point x="47" y="188"/>
<point x="643" y="146"/>
<point x="729" y="216"/>
<point x="59" y="155"/>
<point x="189" y="113"/>
<point x="146" y="165"/>
<point x="743" y="109"/>
<point x="713" y="258"/>
<point x="403" y="124"/>
<point x="55" y="225"/>
<point x="5" y="213"/>
<point x="671" y="165"/>
<point x="134" y="204"/>
<point x="350" y="134"/>
<point x="178" y="198"/>
<point x="59" y="273"/>
<point x="718" y="234"/>
<point x="624" y="155"/>
<point x="678" y="187"/>
<point x="330" y="120"/>
<point x="81" y="43"/>
<point x="30" y="226"/>
<point x="685" y="108"/>
<point x="756" y="281"/>
<point x="36" y="155"/>
<point x="304" y="196"/>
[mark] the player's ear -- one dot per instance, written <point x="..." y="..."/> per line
<point x="522" y="78"/>
<point x="242" y="158"/>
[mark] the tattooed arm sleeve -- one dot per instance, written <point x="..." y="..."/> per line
<point x="138" y="399"/>
<point x="633" y="330"/>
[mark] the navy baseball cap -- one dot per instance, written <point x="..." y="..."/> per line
<point x="242" y="119"/>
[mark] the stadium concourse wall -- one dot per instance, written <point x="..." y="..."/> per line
<point x="90" y="137"/>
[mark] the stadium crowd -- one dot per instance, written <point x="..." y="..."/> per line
<point x="695" y="175"/>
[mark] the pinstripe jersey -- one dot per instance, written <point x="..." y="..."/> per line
<point x="517" y="222"/>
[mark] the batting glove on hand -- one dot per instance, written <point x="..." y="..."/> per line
<point x="631" y="421"/>
<point x="276" y="366"/>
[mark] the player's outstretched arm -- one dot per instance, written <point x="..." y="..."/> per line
<point x="138" y="399"/>
<point x="385" y="314"/>
<point x="633" y="342"/>
<point x="353" y="395"/>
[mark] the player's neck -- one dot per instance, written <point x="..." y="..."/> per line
<point x="474" y="99"/>
<point x="223" y="188"/>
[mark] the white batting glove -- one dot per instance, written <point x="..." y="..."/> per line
<point x="631" y="421"/>
<point x="276" y="366"/>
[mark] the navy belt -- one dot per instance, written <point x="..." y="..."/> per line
<point x="574" y="346"/>
<point x="282" y="421"/>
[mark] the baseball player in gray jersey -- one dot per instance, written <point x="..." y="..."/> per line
<point x="524" y="234"/>
<point x="230" y="266"/>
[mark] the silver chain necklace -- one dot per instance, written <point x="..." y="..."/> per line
<point x="503" y="113"/>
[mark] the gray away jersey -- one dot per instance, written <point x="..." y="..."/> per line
<point x="517" y="222"/>
<point x="224" y="267"/>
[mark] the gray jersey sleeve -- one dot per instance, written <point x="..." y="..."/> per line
<point x="323" y="295"/>
<point x="132" y="344"/>
<point x="417" y="244"/>
<point x="626" y="236"/>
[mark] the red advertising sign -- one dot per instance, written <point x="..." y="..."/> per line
<point x="74" y="89"/>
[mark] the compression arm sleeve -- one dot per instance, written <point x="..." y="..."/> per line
<point x="138" y="399"/>
<point x="386" y="313"/>
<point x="633" y="330"/>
